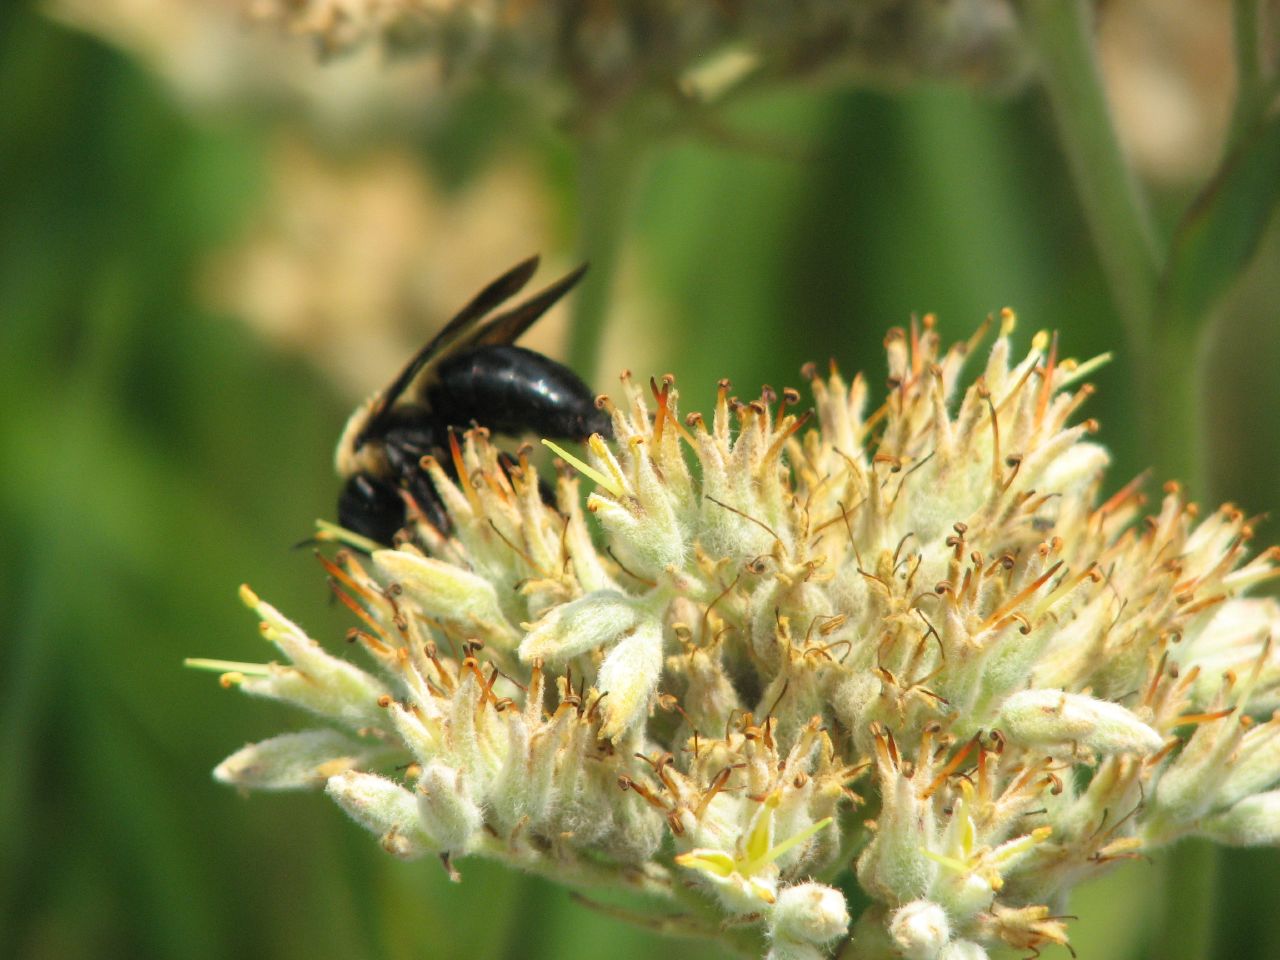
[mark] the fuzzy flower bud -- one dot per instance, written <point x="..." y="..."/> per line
<point x="293" y="761"/>
<point x="1253" y="822"/>
<point x="809" y="913"/>
<point x="581" y="625"/>
<point x="629" y="676"/>
<point x="385" y="808"/>
<point x="1053" y="718"/>
<point x="443" y="590"/>
<point x="920" y="929"/>
<point x="962" y="950"/>
<point x="448" y="813"/>
<point x="315" y="679"/>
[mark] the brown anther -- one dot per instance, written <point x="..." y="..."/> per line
<point x="895" y="463"/>
<point x="354" y="606"/>
<point x="664" y="772"/>
<point x="952" y="766"/>
<point x="832" y="624"/>
<point x="1005" y="608"/>
<point x="1199" y="718"/>
<point x="342" y="576"/>
<point x="593" y="712"/>
<point x="717" y="784"/>
<point x="1202" y="605"/>
<point x="1156" y="758"/>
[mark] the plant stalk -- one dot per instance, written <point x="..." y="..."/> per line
<point x="1249" y="75"/>
<point x="1191" y="881"/>
<point x="1171" y="384"/>
<point x="607" y="164"/>
<point x="1168" y="368"/>
<point x="1115" y="209"/>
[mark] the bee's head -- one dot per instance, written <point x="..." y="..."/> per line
<point x="371" y="507"/>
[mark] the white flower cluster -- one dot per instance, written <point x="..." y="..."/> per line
<point x="912" y="642"/>
<point x="608" y="50"/>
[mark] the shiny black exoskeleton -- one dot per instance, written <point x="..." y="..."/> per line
<point x="470" y="373"/>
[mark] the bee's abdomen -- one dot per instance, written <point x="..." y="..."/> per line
<point x="512" y="390"/>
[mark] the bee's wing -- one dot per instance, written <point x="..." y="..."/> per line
<point x="507" y="327"/>
<point x="461" y="330"/>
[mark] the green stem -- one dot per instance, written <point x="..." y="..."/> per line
<point x="1114" y="207"/>
<point x="1170" y="380"/>
<point x="580" y="873"/>
<point x="1168" y="368"/>
<point x="1191" y="875"/>
<point x="607" y="163"/>
<point x="1249" y="79"/>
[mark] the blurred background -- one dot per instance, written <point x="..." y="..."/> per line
<point x="213" y="243"/>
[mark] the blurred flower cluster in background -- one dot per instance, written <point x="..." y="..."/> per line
<point x="221" y="224"/>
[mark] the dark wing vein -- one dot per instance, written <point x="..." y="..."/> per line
<point x="508" y="327"/>
<point x="453" y="334"/>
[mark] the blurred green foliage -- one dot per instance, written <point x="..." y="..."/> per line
<point x="156" y="455"/>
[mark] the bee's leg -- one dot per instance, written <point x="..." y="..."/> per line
<point x="422" y="492"/>
<point x="371" y="507"/>
<point x="404" y="451"/>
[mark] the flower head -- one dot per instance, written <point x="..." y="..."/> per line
<point x="610" y="50"/>
<point x="346" y="59"/>
<point x="914" y="641"/>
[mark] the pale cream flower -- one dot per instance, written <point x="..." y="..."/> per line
<point x="345" y="60"/>
<point x="913" y="640"/>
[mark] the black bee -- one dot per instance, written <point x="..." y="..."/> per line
<point x="470" y="372"/>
